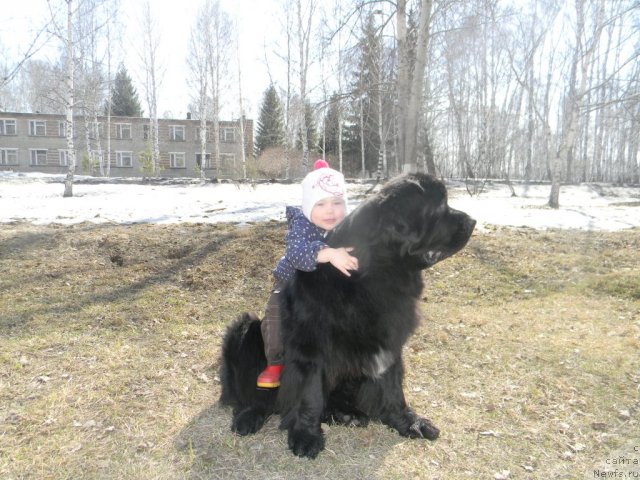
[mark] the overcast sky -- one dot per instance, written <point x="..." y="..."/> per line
<point x="258" y="22"/>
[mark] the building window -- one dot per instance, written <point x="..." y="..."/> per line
<point x="207" y="160"/>
<point x="228" y="135"/>
<point x="38" y="157"/>
<point x="94" y="130"/>
<point x="8" y="156"/>
<point x="96" y="156"/>
<point x="227" y="160"/>
<point x="64" y="157"/>
<point x="7" y="127"/>
<point x="124" y="159"/>
<point x="176" y="160"/>
<point x="62" y="129"/>
<point x="123" y="131"/>
<point x="146" y="129"/>
<point x="37" y="127"/>
<point x="177" y="133"/>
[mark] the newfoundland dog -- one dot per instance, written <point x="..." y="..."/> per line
<point x="343" y="336"/>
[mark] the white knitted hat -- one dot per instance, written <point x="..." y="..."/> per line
<point x="324" y="182"/>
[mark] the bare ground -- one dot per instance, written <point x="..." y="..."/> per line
<point x="528" y="358"/>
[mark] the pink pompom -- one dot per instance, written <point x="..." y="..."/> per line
<point x="320" y="163"/>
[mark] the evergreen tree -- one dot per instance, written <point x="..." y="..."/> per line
<point x="366" y="87"/>
<point x="124" y="97"/>
<point x="331" y="125"/>
<point x="312" y="131"/>
<point x="270" y="131"/>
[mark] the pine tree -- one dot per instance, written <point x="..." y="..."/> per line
<point x="331" y="125"/>
<point x="124" y="97"/>
<point x="270" y="132"/>
<point x="312" y="131"/>
<point x="366" y="91"/>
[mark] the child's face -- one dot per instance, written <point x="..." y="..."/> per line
<point x="328" y="213"/>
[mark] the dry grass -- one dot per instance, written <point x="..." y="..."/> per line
<point x="528" y="357"/>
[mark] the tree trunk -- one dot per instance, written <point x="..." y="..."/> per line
<point x="150" y="61"/>
<point x="304" y="39"/>
<point x="403" y="78"/>
<point x="109" y="100"/>
<point x="68" y="182"/>
<point x="428" y="155"/>
<point x="203" y="127"/>
<point x="414" y="97"/>
<point x="364" y="171"/>
<point x="575" y="98"/>
<point x="243" y="155"/>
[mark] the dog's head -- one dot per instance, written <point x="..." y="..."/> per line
<point x="409" y="220"/>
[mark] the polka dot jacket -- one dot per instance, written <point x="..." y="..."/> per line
<point x="303" y="242"/>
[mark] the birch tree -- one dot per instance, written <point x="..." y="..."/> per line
<point x="198" y="61"/>
<point x="220" y="36"/>
<point x="105" y="164"/>
<point x="210" y="43"/>
<point x="304" y="16"/>
<point x="288" y="96"/>
<point x="93" y="19"/>
<point x="152" y="80"/>
<point x="338" y="98"/>
<point x="69" y="104"/>
<point x="12" y="69"/>
<point x="243" y="153"/>
<point x="585" y="45"/>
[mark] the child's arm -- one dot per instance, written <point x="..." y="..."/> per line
<point x="299" y="250"/>
<point x="305" y="255"/>
<point x="339" y="258"/>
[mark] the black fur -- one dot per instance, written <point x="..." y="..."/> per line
<point x="343" y="336"/>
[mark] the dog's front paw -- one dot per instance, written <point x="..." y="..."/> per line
<point x="304" y="443"/>
<point x="423" y="428"/>
<point x="248" y="421"/>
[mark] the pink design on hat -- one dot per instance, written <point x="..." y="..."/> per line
<point x="331" y="184"/>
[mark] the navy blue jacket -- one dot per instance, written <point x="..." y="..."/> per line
<point x="303" y="242"/>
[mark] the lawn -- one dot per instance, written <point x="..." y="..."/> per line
<point x="527" y="358"/>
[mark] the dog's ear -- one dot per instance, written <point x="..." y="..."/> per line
<point x="366" y="220"/>
<point x="360" y="227"/>
<point x="402" y="231"/>
<point x="402" y="214"/>
<point x="359" y="230"/>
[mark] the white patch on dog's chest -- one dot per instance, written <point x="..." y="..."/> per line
<point x="379" y="364"/>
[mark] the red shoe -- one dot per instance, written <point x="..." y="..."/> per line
<point x="270" y="377"/>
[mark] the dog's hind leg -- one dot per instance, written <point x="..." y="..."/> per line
<point x="251" y="418"/>
<point x="242" y="359"/>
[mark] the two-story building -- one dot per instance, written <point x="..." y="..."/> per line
<point x="34" y="142"/>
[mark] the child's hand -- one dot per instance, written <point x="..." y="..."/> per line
<point x="339" y="258"/>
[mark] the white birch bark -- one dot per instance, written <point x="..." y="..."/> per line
<point x="68" y="182"/>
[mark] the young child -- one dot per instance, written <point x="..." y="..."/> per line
<point x="324" y="205"/>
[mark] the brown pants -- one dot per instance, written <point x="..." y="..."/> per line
<point x="270" y="327"/>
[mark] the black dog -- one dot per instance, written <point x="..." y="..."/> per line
<point x="343" y="336"/>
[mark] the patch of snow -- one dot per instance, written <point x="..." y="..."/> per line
<point x="37" y="198"/>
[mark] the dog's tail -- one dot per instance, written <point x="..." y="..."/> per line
<point x="242" y="360"/>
